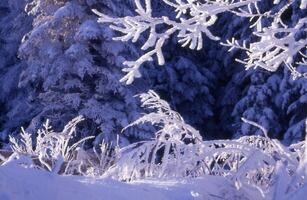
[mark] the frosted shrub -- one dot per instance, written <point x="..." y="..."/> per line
<point x="252" y="163"/>
<point x="270" y="167"/>
<point x="55" y="152"/>
<point x="51" y="150"/>
<point x="292" y="184"/>
<point x="172" y="153"/>
<point x="95" y="162"/>
<point x="177" y="151"/>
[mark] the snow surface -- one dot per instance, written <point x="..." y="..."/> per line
<point x="18" y="183"/>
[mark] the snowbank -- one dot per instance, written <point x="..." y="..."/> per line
<point x="17" y="183"/>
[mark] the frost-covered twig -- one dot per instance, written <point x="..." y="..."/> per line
<point x="264" y="130"/>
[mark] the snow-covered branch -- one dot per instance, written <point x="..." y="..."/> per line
<point x="192" y="22"/>
<point x="277" y="45"/>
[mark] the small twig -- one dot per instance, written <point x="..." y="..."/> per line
<point x="264" y="130"/>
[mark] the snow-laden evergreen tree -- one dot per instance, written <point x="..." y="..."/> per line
<point x="293" y="103"/>
<point x="73" y="68"/>
<point x="14" y="23"/>
<point x="273" y="100"/>
<point x="258" y="105"/>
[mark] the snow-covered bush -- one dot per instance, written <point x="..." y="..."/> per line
<point x="251" y="163"/>
<point x="59" y="152"/>
<point x="172" y="153"/>
<point x="50" y="150"/>
<point x="178" y="151"/>
<point x="261" y="163"/>
<point x="94" y="162"/>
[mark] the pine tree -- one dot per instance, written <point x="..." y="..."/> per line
<point x="14" y="23"/>
<point x="275" y="101"/>
<point x="73" y="69"/>
<point x="293" y="103"/>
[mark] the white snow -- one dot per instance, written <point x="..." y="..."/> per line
<point x="18" y="183"/>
